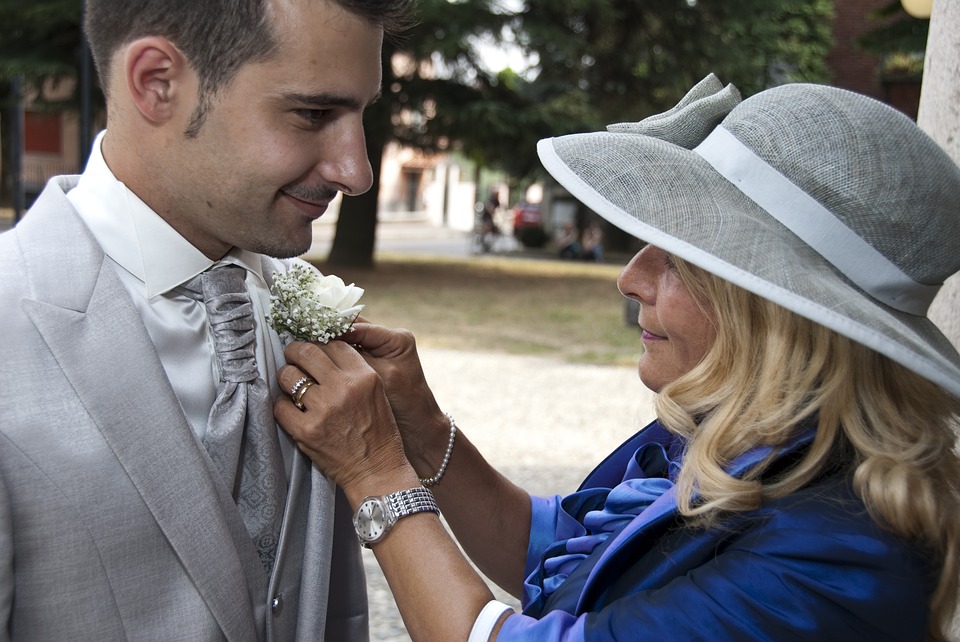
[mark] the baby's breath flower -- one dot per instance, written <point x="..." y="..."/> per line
<point x="308" y="306"/>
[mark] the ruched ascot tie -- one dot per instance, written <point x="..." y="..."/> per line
<point x="241" y="436"/>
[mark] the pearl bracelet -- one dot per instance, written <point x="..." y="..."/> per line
<point x="433" y="481"/>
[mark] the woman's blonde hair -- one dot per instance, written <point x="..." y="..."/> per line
<point x="768" y="371"/>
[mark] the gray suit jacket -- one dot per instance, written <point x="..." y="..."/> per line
<point x="113" y="523"/>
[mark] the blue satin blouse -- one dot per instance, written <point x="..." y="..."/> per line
<point x="615" y="561"/>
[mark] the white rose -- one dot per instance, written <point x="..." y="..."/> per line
<point x="332" y="292"/>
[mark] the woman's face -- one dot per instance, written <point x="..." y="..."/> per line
<point x="676" y="332"/>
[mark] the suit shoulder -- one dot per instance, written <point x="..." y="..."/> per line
<point x="12" y="268"/>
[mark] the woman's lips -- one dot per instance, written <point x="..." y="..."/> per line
<point x="649" y="336"/>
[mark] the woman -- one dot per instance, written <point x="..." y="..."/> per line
<point x="800" y="481"/>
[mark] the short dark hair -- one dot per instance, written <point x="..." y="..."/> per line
<point x="218" y="37"/>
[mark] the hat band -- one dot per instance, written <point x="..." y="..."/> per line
<point x="814" y="224"/>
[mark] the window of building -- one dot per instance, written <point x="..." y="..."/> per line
<point x="43" y="132"/>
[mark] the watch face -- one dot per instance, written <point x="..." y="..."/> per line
<point x="371" y="521"/>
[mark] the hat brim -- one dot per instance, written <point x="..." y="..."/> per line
<point x="672" y="198"/>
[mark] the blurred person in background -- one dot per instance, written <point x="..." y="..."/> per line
<point x="593" y="243"/>
<point x="569" y="241"/>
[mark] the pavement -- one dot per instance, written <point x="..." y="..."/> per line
<point x="411" y="233"/>
<point x="399" y="234"/>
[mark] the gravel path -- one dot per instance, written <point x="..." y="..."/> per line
<point x="513" y="408"/>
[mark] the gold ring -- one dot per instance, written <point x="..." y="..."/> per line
<point x="301" y="388"/>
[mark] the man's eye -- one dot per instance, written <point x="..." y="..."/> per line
<point x="311" y="116"/>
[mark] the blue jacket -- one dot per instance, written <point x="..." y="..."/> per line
<point x="809" y="566"/>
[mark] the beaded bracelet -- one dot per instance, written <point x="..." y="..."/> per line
<point x="433" y="481"/>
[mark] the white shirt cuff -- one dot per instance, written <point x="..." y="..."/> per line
<point x="488" y="618"/>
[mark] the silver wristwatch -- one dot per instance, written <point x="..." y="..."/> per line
<point x="377" y="515"/>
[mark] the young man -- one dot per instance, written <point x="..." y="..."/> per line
<point x="135" y="500"/>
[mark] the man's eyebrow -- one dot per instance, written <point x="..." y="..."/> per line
<point x="325" y="99"/>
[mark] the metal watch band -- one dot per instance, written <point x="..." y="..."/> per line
<point x="412" y="500"/>
<point x="376" y="516"/>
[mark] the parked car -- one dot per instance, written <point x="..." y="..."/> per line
<point x="528" y="224"/>
<point x="526" y="215"/>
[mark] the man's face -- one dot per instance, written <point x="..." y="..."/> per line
<point x="281" y="139"/>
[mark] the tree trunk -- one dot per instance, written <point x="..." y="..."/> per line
<point x="7" y="110"/>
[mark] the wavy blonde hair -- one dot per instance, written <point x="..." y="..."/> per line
<point x="771" y="369"/>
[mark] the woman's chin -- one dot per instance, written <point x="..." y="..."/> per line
<point x="648" y="379"/>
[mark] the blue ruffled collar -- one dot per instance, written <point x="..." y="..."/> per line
<point x="589" y="517"/>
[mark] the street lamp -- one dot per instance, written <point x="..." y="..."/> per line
<point x="918" y="8"/>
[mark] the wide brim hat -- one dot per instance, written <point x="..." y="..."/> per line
<point x="826" y="202"/>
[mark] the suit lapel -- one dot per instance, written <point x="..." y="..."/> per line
<point x="94" y="331"/>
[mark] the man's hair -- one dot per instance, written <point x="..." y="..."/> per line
<point x="218" y="37"/>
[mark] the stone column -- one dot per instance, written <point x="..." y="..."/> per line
<point x="939" y="116"/>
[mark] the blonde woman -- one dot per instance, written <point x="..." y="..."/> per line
<point x="800" y="481"/>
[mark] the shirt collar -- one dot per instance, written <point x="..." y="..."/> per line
<point x="136" y="237"/>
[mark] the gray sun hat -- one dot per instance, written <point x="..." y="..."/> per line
<point x="828" y="203"/>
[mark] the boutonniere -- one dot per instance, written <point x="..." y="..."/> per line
<point x="306" y="305"/>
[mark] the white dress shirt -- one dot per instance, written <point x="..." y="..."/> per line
<point x="154" y="261"/>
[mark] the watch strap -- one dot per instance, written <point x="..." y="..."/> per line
<point x="411" y="501"/>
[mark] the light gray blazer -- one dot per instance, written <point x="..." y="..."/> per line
<point x="113" y="523"/>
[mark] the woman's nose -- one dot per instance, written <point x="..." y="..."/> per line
<point x="637" y="281"/>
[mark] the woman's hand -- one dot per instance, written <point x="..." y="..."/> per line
<point x="347" y="427"/>
<point x="393" y="355"/>
<point x="350" y="430"/>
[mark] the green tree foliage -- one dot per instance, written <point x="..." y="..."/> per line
<point x="444" y="97"/>
<point x="899" y="39"/>
<point x="39" y="39"/>
<point x="596" y="61"/>
<point x="631" y="58"/>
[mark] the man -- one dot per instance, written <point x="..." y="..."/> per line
<point x="125" y="509"/>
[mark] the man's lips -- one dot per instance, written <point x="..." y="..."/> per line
<point x="311" y="209"/>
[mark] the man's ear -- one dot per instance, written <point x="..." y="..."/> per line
<point x="157" y="76"/>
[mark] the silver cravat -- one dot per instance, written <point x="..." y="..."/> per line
<point x="241" y="436"/>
